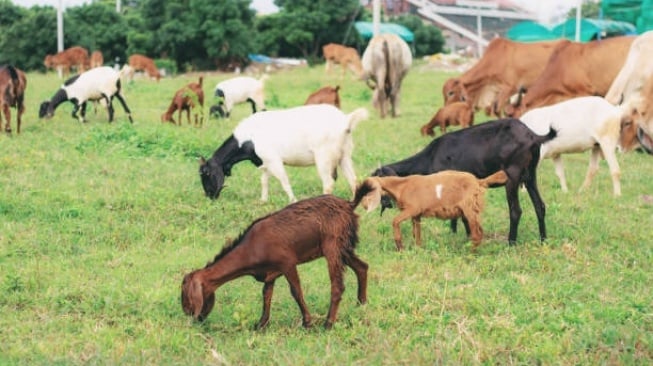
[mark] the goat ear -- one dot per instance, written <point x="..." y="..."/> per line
<point x="192" y="300"/>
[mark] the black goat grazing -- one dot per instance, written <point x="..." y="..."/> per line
<point x="272" y="246"/>
<point x="482" y="150"/>
<point x="12" y="94"/>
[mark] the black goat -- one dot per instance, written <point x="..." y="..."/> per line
<point x="482" y="150"/>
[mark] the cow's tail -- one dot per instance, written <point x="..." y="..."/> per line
<point x="388" y="69"/>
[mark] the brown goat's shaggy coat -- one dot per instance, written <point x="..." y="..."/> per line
<point x="448" y="194"/>
<point x="272" y="246"/>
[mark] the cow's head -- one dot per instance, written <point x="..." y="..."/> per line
<point x="453" y="91"/>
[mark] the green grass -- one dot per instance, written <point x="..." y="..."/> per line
<point x="99" y="222"/>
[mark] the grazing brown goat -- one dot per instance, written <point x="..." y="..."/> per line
<point x="185" y="99"/>
<point x="272" y="246"/>
<point x="12" y="94"/>
<point x="325" y="95"/>
<point x="448" y="194"/>
<point x="454" y="114"/>
<point x="76" y="57"/>
<point x="97" y="59"/>
<point x="143" y="63"/>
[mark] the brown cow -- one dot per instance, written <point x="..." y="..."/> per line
<point x="505" y="67"/>
<point x="97" y="59"/>
<point x="76" y="57"/>
<point x="185" y="99"/>
<point x="325" y="95"/>
<point x="575" y="70"/>
<point x="12" y="94"/>
<point x="346" y="57"/>
<point x="143" y="63"/>
<point x="454" y="114"/>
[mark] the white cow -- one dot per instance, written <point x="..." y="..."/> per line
<point x="386" y="62"/>
<point x="637" y="68"/>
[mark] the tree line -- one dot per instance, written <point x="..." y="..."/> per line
<point x="193" y="34"/>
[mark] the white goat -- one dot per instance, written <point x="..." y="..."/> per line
<point x="582" y="124"/>
<point x="316" y="134"/>
<point x="98" y="84"/>
<point x="238" y="90"/>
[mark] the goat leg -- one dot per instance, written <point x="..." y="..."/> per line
<point x="360" y="269"/>
<point x="296" y="290"/>
<point x="268" y="288"/>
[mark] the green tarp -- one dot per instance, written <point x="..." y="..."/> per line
<point x="590" y="29"/>
<point x="529" y="31"/>
<point x="365" y="30"/>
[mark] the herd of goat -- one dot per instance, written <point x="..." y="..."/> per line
<point x="447" y="179"/>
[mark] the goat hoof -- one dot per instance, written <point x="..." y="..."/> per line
<point x="328" y="325"/>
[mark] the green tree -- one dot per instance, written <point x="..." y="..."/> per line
<point x="304" y="26"/>
<point x="589" y="9"/>
<point x="28" y="52"/>
<point x="97" y="26"/>
<point x="428" y="38"/>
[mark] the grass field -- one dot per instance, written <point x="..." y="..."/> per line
<point x="99" y="222"/>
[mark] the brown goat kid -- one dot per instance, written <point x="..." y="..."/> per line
<point x="186" y="99"/>
<point x="448" y="194"/>
<point x="272" y="246"/>
<point x="12" y="94"/>
<point x="454" y="114"/>
<point x="325" y="95"/>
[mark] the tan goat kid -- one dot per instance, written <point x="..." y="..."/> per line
<point x="446" y="195"/>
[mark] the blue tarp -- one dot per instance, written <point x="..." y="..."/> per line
<point x="365" y="29"/>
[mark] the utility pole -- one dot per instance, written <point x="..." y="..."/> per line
<point x="118" y="6"/>
<point x="60" y="32"/>
<point x="376" y="17"/>
<point x="578" y="18"/>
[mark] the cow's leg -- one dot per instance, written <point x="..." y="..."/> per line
<point x="560" y="171"/>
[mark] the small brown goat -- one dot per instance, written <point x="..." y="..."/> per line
<point x="448" y="194"/>
<point x="325" y="95"/>
<point x="186" y="99"/>
<point x="12" y="94"/>
<point x="272" y="246"/>
<point x="458" y="113"/>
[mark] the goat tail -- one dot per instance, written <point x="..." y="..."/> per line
<point x="358" y="115"/>
<point x="361" y="191"/>
<point x="548" y="137"/>
<point x="497" y="179"/>
<point x="201" y="79"/>
<point x="15" y="81"/>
